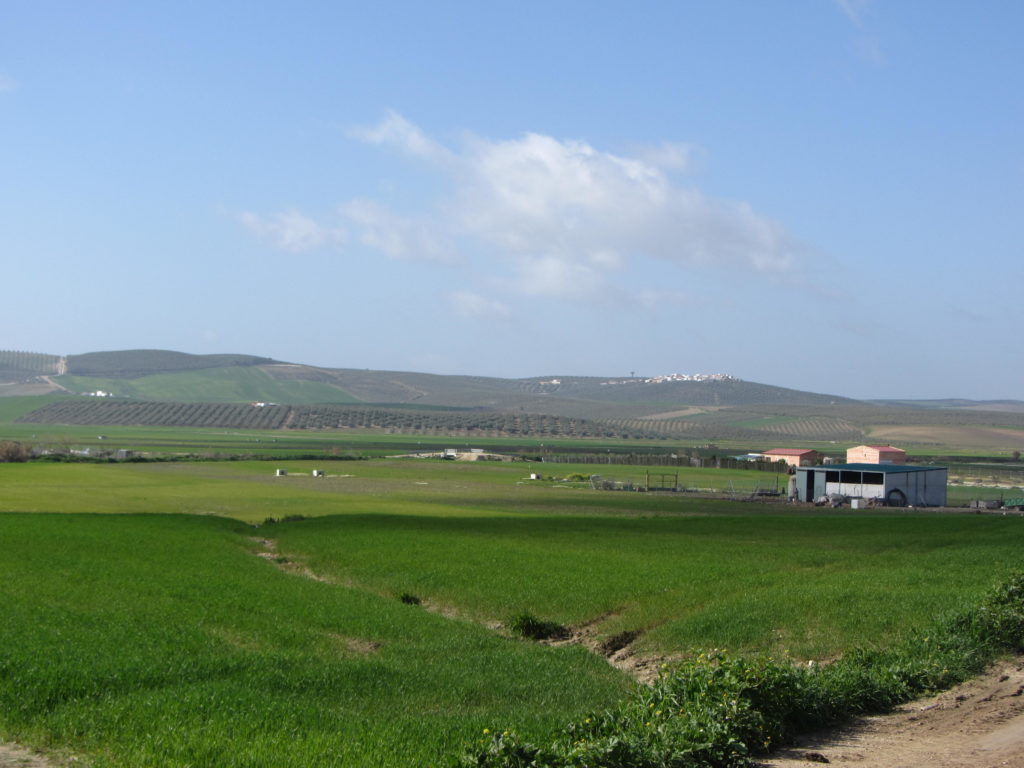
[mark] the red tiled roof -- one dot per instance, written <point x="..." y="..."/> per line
<point x="788" y="452"/>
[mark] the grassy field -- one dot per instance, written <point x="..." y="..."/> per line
<point x="155" y="638"/>
<point x="218" y="385"/>
<point x="802" y="585"/>
<point x="249" y="491"/>
<point x="162" y="641"/>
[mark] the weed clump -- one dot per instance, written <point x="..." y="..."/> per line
<point x="409" y="599"/>
<point x="285" y="519"/>
<point x="528" y="625"/>
<point x="720" y="711"/>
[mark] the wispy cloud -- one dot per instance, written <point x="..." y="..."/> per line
<point x="292" y="231"/>
<point x="854" y="10"/>
<point x="7" y="83"/>
<point x="564" y="216"/>
<point x="536" y="216"/>
<point x="866" y="45"/>
<point x="401" y="237"/>
<point x="394" y="130"/>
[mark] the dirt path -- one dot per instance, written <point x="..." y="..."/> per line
<point x="13" y="756"/>
<point x="55" y="387"/>
<point x="979" y="724"/>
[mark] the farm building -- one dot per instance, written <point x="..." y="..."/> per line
<point x="794" y="457"/>
<point x="876" y="454"/>
<point x="891" y="484"/>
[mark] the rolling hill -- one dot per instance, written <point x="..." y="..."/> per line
<point x="133" y="384"/>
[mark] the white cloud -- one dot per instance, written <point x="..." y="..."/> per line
<point x="394" y="130"/>
<point x="398" y="236"/>
<point x="564" y="217"/>
<point x="572" y="214"/>
<point x="538" y="216"/>
<point x="7" y="83"/>
<point x="558" y="277"/>
<point x="292" y="231"/>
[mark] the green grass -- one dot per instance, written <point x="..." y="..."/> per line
<point x="12" y="408"/>
<point x="807" y="585"/>
<point x="154" y="638"/>
<point x="248" y="490"/>
<point x="214" y="385"/>
<point x="721" y="711"/>
<point x="163" y="641"/>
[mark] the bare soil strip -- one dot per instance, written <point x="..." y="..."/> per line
<point x="979" y="724"/>
<point x="286" y="564"/>
<point x="13" y="756"/>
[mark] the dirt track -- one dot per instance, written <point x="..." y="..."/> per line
<point x="977" y="725"/>
<point x="13" y="756"/>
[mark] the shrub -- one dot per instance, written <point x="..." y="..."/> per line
<point x="528" y="625"/>
<point x="717" y="711"/>
<point x="11" y="450"/>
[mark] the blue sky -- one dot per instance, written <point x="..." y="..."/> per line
<point x="818" y="194"/>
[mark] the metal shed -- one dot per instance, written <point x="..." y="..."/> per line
<point x="892" y="484"/>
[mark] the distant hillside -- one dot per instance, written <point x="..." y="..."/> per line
<point x="164" y="375"/>
<point x="133" y="363"/>
<point x="574" y="396"/>
<point x="26" y="373"/>
<point x="23" y="364"/>
<point x="1007" y="406"/>
<point x="233" y="384"/>
<point x="674" y="407"/>
<point x="433" y="422"/>
<point x="730" y="392"/>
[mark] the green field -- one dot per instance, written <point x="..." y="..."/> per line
<point x="217" y="385"/>
<point x="162" y="641"/>
<point x="249" y="491"/>
<point x="156" y="638"/>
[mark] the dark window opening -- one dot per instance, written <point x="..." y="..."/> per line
<point x="832" y="476"/>
<point x="874" y="478"/>
<point x="849" y="476"/>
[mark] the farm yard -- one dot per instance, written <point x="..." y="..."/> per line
<point x="371" y="617"/>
